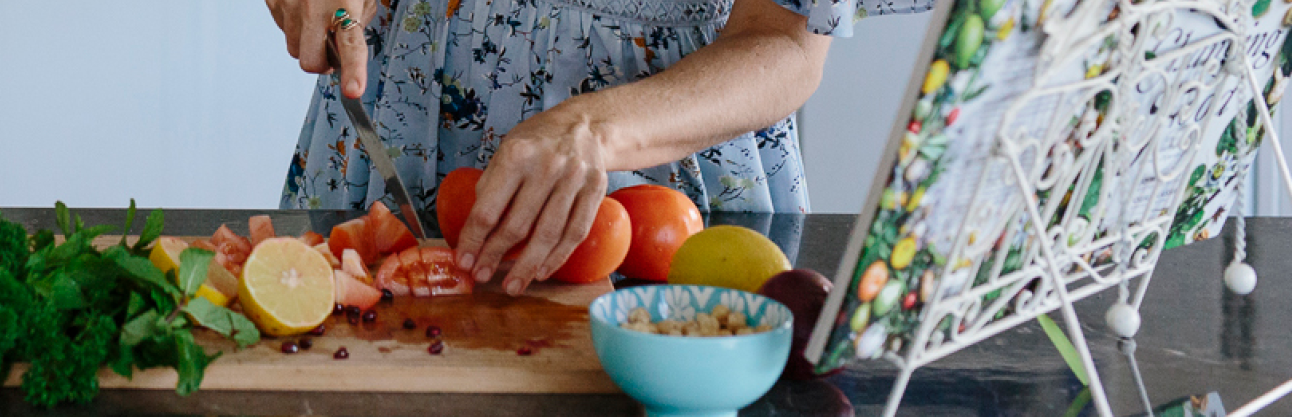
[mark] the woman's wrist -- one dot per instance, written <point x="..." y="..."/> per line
<point x="596" y="121"/>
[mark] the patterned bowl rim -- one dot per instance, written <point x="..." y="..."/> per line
<point x="784" y="328"/>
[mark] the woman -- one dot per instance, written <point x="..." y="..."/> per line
<point x="563" y="100"/>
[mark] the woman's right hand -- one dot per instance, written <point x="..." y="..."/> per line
<point x="306" y="24"/>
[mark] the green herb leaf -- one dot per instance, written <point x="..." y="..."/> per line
<point x="223" y="321"/>
<point x="210" y="316"/>
<point x="130" y="222"/>
<point x="139" y="328"/>
<point x="136" y="305"/>
<point x="191" y="364"/>
<point x="152" y="230"/>
<point x="143" y="272"/>
<point x="62" y="218"/>
<point x="193" y="266"/>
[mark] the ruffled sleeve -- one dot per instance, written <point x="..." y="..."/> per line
<point x="836" y="17"/>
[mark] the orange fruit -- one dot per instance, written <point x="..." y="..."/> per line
<point x="287" y="287"/>
<point x="662" y="218"/>
<point x="603" y="250"/>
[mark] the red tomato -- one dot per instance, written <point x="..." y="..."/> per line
<point x="353" y="292"/>
<point x="261" y="228"/>
<point x="453" y="204"/>
<point x="423" y="272"/>
<point x="454" y="200"/>
<point x="604" y="248"/>
<point x="354" y="234"/>
<point x="388" y="233"/>
<point x="231" y="249"/>
<point x="662" y="218"/>
<point x="312" y="239"/>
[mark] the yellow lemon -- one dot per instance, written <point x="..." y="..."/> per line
<point x="220" y="288"/>
<point x="287" y="287"/>
<point x="727" y="256"/>
<point x="903" y="253"/>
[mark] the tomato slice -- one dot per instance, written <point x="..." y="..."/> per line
<point x="261" y="228"/>
<point x="423" y="272"/>
<point x="354" y="234"/>
<point x="231" y="249"/>
<point x="388" y="233"/>
<point x="353" y="292"/>
<point x="312" y="239"/>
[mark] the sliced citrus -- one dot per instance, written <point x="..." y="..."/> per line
<point x="287" y="287"/>
<point x="220" y="287"/>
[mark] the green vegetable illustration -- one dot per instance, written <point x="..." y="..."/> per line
<point x="969" y="39"/>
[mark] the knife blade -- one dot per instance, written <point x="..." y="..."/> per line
<point x="375" y="149"/>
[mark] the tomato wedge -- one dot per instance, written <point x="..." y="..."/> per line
<point x="261" y="228"/>
<point x="231" y="249"/>
<point x="423" y="272"/>
<point x="388" y="233"/>
<point x="312" y="239"/>
<point x="354" y="234"/>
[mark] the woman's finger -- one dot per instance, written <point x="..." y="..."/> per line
<point x="316" y="20"/>
<point x="515" y="226"/>
<point x="547" y="233"/>
<point x="576" y="229"/>
<point x="352" y="49"/>
<point x="493" y="195"/>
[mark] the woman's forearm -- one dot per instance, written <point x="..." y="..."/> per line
<point x="763" y="66"/>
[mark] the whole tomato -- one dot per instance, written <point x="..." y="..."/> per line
<point x="662" y="218"/>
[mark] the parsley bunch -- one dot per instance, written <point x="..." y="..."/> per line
<point x="69" y="309"/>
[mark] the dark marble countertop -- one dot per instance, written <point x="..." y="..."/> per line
<point x="1196" y="338"/>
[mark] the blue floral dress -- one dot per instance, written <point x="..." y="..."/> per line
<point x="449" y="78"/>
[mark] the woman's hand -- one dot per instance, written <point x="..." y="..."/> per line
<point x="306" y="23"/>
<point x="544" y="184"/>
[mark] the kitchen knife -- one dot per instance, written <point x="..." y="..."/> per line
<point x="375" y="149"/>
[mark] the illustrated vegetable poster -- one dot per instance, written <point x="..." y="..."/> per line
<point x="1152" y="118"/>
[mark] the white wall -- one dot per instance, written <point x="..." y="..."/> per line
<point x="195" y="105"/>
<point x="847" y="121"/>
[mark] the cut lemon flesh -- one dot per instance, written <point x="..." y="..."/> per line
<point x="220" y="288"/>
<point x="287" y="287"/>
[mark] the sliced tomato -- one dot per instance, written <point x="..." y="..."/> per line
<point x="327" y="254"/>
<point x="423" y="272"/>
<point x="388" y="233"/>
<point x="352" y="292"/>
<point x="231" y="249"/>
<point x="261" y="228"/>
<point x="354" y="234"/>
<point x="352" y="264"/>
<point x="312" y="239"/>
<point x="203" y="244"/>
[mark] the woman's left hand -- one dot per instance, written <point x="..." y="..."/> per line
<point x="544" y="184"/>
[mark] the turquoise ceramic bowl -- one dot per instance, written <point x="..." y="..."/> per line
<point x="690" y="376"/>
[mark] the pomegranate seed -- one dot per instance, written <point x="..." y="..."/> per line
<point x="386" y="295"/>
<point x="337" y="309"/>
<point x="369" y="316"/>
<point x="410" y="324"/>
<point x="341" y="353"/>
<point x="436" y="347"/>
<point x="318" y="331"/>
<point x="289" y="347"/>
<point x="433" y="331"/>
<point x="305" y="344"/>
<point x="353" y="311"/>
<point x="524" y="351"/>
<point x="352" y="319"/>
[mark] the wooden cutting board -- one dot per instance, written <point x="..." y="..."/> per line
<point x="482" y="335"/>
